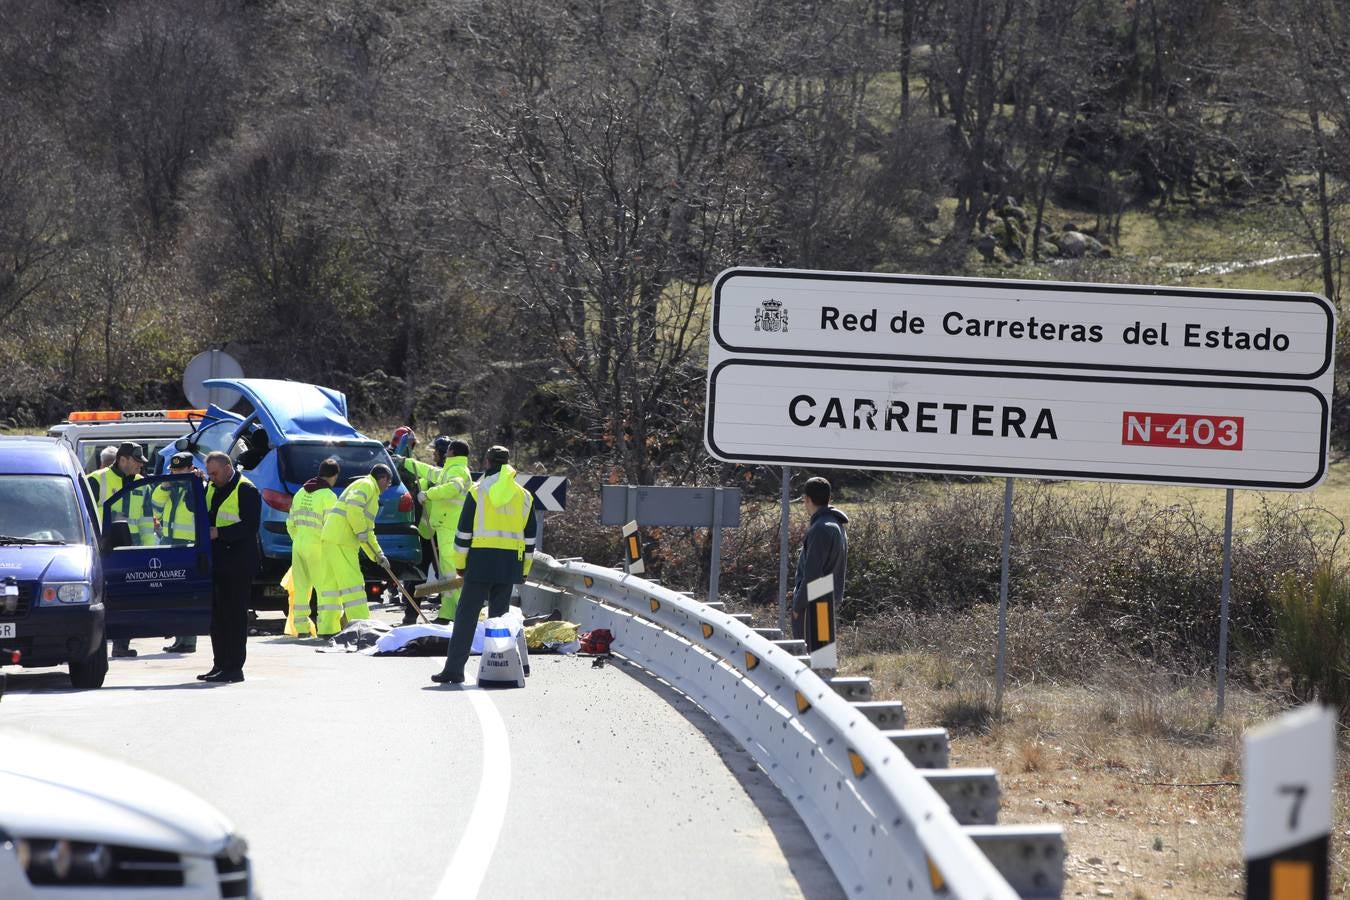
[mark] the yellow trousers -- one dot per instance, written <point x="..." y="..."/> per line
<point x="342" y="589"/>
<point x="445" y="545"/>
<point x="305" y="571"/>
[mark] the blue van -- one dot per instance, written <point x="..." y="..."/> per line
<point x="294" y="426"/>
<point x="67" y="585"/>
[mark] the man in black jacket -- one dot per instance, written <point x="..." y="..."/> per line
<point x="235" y="508"/>
<point x="824" y="552"/>
<point x="493" y="552"/>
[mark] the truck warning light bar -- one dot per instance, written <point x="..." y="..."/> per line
<point x="134" y="415"/>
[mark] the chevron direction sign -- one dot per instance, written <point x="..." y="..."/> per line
<point x="550" y="491"/>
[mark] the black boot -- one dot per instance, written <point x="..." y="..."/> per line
<point x="448" y="678"/>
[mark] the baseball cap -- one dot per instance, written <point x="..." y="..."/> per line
<point x="180" y="460"/>
<point x="128" y="448"/>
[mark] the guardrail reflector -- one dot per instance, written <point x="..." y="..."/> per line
<point x="588" y="581"/>
<point x="655" y="604"/>
<point x="859" y="767"/>
<point x="707" y="630"/>
<point x="802" y="703"/>
<point x="934" y="876"/>
<point x="1291" y="880"/>
<point x="751" y="660"/>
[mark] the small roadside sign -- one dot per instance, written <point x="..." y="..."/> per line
<point x="691" y="507"/>
<point x="1288" y="768"/>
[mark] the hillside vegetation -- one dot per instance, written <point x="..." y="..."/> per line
<point x="501" y="217"/>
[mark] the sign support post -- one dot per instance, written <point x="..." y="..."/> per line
<point x="1003" y="594"/>
<point x="1223" y="596"/>
<point x="783" y="540"/>
<point x="715" y="564"/>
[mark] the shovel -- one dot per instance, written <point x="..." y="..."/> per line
<point x="403" y="592"/>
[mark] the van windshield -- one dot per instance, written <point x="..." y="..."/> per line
<point x="39" y="509"/>
<point x="300" y="462"/>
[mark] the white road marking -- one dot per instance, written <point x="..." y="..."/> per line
<point x="464" y="876"/>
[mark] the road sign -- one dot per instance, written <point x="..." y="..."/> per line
<point x="1260" y="435"/>
<point x="691" y="507"/>
<point x="1043" y="324"/>
<point x="1020" y="378"/>
<point x="1288" y="767"/>
<point x="550" y="491"/>
<point x="205" y="366"/>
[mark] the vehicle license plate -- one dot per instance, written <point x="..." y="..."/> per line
<point x="8" y="630"/>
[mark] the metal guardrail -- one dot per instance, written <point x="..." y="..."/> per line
<point x="880" y="823"/>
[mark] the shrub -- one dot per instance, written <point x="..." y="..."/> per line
<point x="1095" y="573"/>
<point x="1312" y="636"/>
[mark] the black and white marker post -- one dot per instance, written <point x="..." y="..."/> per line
<point x="819" y="627"/>
<point x="1288" y="766"/>
<point x="632" y="549"/>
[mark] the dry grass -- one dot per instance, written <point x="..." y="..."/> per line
<point x="1133" y="764"/>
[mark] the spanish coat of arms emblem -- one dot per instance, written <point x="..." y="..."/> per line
<point x="771" y="316"/>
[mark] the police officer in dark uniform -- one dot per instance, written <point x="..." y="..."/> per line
<point x="235" y="508"/>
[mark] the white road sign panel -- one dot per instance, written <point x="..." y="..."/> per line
<point x="1038" y="425"/>
<point x="1287" y="771"/>
<point x="992" y="322"/>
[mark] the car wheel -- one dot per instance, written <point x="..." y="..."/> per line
<point x="88" y="673"/>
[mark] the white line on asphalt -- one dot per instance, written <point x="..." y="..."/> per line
<point x="464" y="876"/>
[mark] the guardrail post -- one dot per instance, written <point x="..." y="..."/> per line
<point x="715" y="564"/>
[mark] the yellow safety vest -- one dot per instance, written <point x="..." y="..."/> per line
<point x="305" y="521"/>
<point x="177" y="522"/>
<point x="503" y="509"/>
<point x="354" y="514"/>
<point x="109" y="482"/>
<point x="228" y="514"/>
<point x="445" y="488"/>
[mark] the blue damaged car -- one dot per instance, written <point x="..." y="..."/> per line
<point x="279" y="443"/>
<point x="67" y="584"/>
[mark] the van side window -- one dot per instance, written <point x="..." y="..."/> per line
<point x="154" y="515"/>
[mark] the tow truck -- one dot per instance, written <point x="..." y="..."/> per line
<point x="87" y="432"/>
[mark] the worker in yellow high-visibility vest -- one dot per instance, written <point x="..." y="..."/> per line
<point x="172" y="505"/>
<point x="305" y="526"/>
<point x="442" y="489"/>
<point x="349" y="529"/>
<point x="104" y="484"/>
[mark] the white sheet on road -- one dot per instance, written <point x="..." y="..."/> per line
<point x="400" y="636"/>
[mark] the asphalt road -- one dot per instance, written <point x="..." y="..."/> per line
<point x="355" y="776"/>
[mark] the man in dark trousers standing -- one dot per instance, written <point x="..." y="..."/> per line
<point x="494" y="547"/>
<point x="824" y="552"/>
<point x="235" y="508"/>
